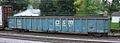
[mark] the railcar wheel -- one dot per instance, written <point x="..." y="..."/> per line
<point x="100" y="34"/>
<point x="19" y="30"/>
<point x="26" y="30"/>
<point x="105" y="34"/>
<point x="3" y="29"/>
<point x="16" y="30"/>
<point x="96" y="34"/>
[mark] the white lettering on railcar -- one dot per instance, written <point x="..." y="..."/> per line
<point x="64" y="23"/>
<point x="57" y="22"/>
<point x="19" y="24"/>
<point x="70" y="23"/>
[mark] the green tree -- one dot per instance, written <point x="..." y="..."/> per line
<point x="57" y="7"/>
<point x="46" y="6"/>
<point x="115" y="6"/>
<point x="66" y="6"/>
<point x="80" y="5"/>
<point x="0" y="3"/>
<point x="18" y="5"/>
<point x="35" y="3"/>
<point x="88" y="7"/>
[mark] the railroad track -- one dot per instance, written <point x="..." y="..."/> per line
<point x="115" y="30"/>
<point x="45" y="39"/>
<point x="56" y="37"/>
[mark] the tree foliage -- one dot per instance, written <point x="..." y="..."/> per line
<point x="0" y="3"/>
<point x="34" y="3"/>
<point x="87" y="7"/>
<point x="57" y="7"/>
<point x="18" y="5"/>
<point x="115" y="6"/>
<point x="66" y="7"/>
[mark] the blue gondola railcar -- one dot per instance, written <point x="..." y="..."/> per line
<point x="64" y="24"/>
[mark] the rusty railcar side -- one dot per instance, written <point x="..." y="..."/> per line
<point x="7" y="10"/>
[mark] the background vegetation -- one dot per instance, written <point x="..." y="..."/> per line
<point x="67" y="7"/>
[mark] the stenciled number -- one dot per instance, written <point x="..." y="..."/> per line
<point x="70" y="22"/>
<point x="57" y="22"/>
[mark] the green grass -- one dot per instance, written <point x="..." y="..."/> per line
<point x="115" y="25"/>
